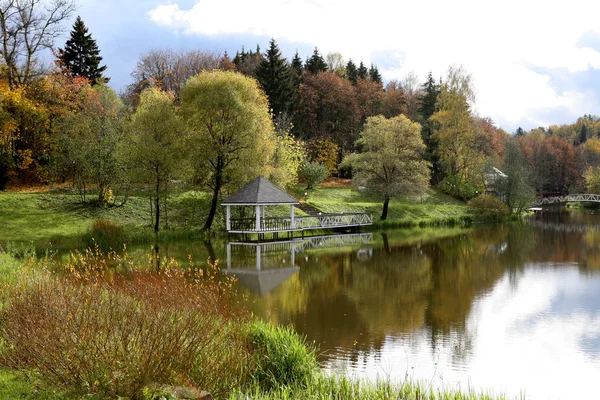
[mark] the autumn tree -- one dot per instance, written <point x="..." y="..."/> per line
<point x="157" y="144"/>
<point x="277" y="80"/>
<point x="247" y="62"/>
<point x="231" y="131"/>
<point x="168" y="70"/>
<point x="81" y="55"/>
<point x="394" y="100"/>
<point x="391" y="163"/>
<point x="27" y="28"/>
<point x="328" y="109"/>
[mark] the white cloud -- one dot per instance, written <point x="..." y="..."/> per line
<point x="500" y="43"/>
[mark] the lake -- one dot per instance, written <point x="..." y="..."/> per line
<point x="511" y="309"/>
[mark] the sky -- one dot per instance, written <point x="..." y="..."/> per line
<point x="534" y="63"/>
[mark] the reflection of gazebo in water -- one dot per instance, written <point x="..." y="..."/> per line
<point x="261" y="267"/>
<point x="261" y="193"/>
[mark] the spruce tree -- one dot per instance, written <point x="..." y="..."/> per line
<point x="277" y="80"/>
<point x="352" y="72"/>
<point x="427" y="101"/>
<point x="316" y="63"/>
<point x="374" y="74"/>
<point x="363" y="72"/>
<point x="81" y="54"/>
<point x="297" y="69"/>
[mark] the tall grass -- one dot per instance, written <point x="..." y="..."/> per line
<point x="94" y="331"/>
<point x="331" y="387"/>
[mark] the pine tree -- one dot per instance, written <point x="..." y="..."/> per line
<point x="352" y="72"/>
<point x="427" y="101"/>
<point x="277" y="80"/>
<point x="297" y="69"/>
<point x="583" y="134"/>
<point x="81" y="54"/>
<point x="374" y="74"/>
<point x="363" y="72"/>
<point x="316" y="63"/>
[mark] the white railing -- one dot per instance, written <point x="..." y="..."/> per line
<point x="568" y="198"/>
<point x="284" y="224"/>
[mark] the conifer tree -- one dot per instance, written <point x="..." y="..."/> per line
<point x="297" y="69"/>
<point x="81" y="54"/>
<point x="374" y="74"/>
<point x="316" y="63"/>
<point x="352" y="72"/>
<point x="431" y="91"/>
<point x="427" y="107"/>
<point x="277" y="80"/>
<point x="363" y="72"/>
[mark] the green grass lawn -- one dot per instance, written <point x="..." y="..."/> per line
<point x="431" y="207"/>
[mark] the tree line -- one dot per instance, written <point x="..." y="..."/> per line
<point x="218" y="121"/>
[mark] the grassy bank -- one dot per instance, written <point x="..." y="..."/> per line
<point x="432" y="208"/>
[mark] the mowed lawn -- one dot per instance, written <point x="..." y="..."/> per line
<point x="430" y="207"/>
<point x="42" y="216"/>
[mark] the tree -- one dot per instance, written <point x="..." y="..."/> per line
<point x="88" y="141"/>
<point x="410" y="85"/>
<point x="514" y="189"/>
<point x="335" y="64"/>
<point x="351" y="72"/>
<point x="156" y="146"/>
<point x="168" y="70"/>
<point x="427" y="101"/>
<point x="374" y="74"/>
<point x="27" y="27"/>
<point x="315" y="63"/>
<point x="231" y="130"/>
<point x="394" y="100"/>
<point x="276" y="79"/>
<point x="391" y="163"/>
<point x="312" y="173"/>
<point x="592" y="179"/>
<point x="328" y="109"/>
<point x="297" y="70"/>
<point x="81" y="55"/>
<point x="362" y="72"/>
<point x="287" y="158"/>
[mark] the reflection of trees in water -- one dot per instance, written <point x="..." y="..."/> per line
<point x="351" y="305"/>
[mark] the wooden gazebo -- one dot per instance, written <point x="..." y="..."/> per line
<point x="261" y="193"/>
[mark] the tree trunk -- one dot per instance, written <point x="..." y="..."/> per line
<point x="215" y="198"/>
<point x="386" y="203"/>
<point x="213" y="208"/>
<point x="157" y="205"/>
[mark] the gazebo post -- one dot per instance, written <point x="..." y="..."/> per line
<point x="257" y="218"/>
<point x="293" y="223"/>
<point x="228" y="217"/>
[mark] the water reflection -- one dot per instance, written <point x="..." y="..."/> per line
<point x="511" y="307"/>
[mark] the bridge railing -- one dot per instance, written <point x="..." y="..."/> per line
<point x="567" y="199"/>
<point x="282" y="224"/>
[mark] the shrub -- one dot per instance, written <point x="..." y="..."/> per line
<point x="455" y="187"/>
<point x="312" y="173"/>
<point x="106" y="234"/>
<point x="283" y="357"/>
<point x="488" y="207"/>
<point x="116" y="335"/>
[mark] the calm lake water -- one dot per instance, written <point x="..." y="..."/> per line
<point x="511" y="309"/>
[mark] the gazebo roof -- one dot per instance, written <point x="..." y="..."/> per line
<point x="260" y="191"/>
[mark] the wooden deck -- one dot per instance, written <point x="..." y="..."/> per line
<point x="303" y="223"/>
